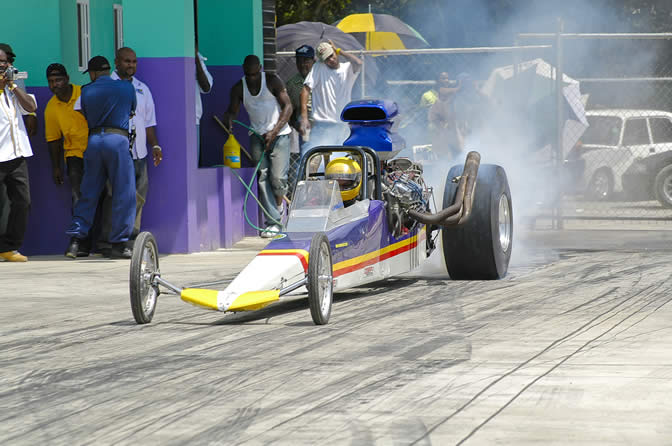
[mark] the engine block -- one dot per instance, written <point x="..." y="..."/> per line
<point x="404" y="188"/>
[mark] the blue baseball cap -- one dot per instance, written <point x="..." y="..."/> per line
<point x="305" y="51"/>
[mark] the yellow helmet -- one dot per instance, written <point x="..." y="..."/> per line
<point x="348" y="174"/>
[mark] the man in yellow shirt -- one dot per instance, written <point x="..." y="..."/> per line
<point x="66" y="131"/>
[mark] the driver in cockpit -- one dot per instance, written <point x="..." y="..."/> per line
<point x="349" y="176"/>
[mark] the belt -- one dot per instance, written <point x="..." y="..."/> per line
<point x="115" y="130"/>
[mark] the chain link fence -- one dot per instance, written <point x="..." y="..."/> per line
<point x="617" y="171"/>
<point x="411" y="79"/>
<point x="588" y="147"/>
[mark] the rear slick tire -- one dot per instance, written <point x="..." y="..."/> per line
<point x="144" y="265"/>
<point x="480" y="249"/>
<point x="320" y="279"/>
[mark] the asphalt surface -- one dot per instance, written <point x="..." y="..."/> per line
<point x="573" y="347"/>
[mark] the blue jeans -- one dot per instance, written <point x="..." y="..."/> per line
<point x="106" y="157"/>
<point x="273" y="171"/>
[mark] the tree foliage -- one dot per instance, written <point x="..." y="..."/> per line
<point x="455" y="22"/>
<point x="325" y="11"/>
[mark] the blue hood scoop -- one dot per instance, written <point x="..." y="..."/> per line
<point x="371" y="125"/>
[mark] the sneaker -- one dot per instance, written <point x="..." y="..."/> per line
<point x="120" y="251"/>
<point x="13" y="256"/>
<point x="270" y="231"/>
<point x="73" y="248"/>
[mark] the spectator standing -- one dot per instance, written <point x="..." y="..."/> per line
<point x="67" y="134"/>
<point x="269" y="107"/>
<point x="107" y="106"/>
<point x="447" y="141"/>
<point x="330" y="82"/>
<point x="14" y="149"/>
<point x="305" y="58"/>
<point x="144" y="123"/>
<point x="30" y="121"/>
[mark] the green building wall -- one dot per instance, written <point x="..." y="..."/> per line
<point x="33" y="36"/>
<point x="188" y="208"/>
<point x="229" y="30"/>
<point x="170" y="32"/>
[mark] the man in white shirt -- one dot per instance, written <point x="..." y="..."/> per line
<point x="269" y="107"/>
<point x="14" y="149"/>
<point x="144" y="122"/>
<point x="330" y="82"/>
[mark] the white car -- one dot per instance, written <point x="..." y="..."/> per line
<point x="612" y="142"/>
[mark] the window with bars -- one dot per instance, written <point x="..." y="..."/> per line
<point x="83" y="33"/>
<point x="118" y="27"/>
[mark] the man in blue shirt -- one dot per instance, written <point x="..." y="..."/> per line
<point x="107" y="106"/>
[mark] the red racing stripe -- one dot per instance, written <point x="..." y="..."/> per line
<point x="298" y="254"/>
<point x="373" y="261"/>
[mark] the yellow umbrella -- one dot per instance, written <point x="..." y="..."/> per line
<point x="381" y="32"/>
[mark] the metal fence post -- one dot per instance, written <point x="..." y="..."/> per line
<point x="516" y="57"/>
<point x="560" y="125"/>
<point x="361" y="56"/>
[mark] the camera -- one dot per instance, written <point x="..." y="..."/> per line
<point x="12" y="74"/>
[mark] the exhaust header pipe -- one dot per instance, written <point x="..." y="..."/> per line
<point x="458" y="212"/>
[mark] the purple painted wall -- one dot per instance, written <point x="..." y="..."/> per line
<point x="188" y="209"/>
<point x="50" y="204"/>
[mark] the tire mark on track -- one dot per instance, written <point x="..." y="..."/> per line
<point x="586" y="326"/>
<point x="556" y="366"/>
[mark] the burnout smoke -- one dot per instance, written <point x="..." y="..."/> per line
<point x="520" y="140"/>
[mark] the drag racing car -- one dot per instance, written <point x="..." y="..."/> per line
<point x="381" y="224"/>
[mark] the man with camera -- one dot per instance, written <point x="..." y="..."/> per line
<point x="14" y="149"/>
<point x="29" y="119"/>
<point x="107" y="106"/>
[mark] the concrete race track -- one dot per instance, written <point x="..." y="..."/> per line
<point x="574" y="346"/>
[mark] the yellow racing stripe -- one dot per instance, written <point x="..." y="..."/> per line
<point x="374" y="254"/>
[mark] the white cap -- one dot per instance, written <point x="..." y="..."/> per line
<point x="324" y="51"/>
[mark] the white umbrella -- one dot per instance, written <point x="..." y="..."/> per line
<point x="529" y="89"/>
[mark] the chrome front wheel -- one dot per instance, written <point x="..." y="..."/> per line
<point x="144" y="267"/>
<point x="320" y="279"/>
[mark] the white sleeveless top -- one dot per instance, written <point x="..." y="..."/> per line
<point x="263" y="109"/>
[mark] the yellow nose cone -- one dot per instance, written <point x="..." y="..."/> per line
<point x="254" y="300"/>
<point x="200" y="297"/>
